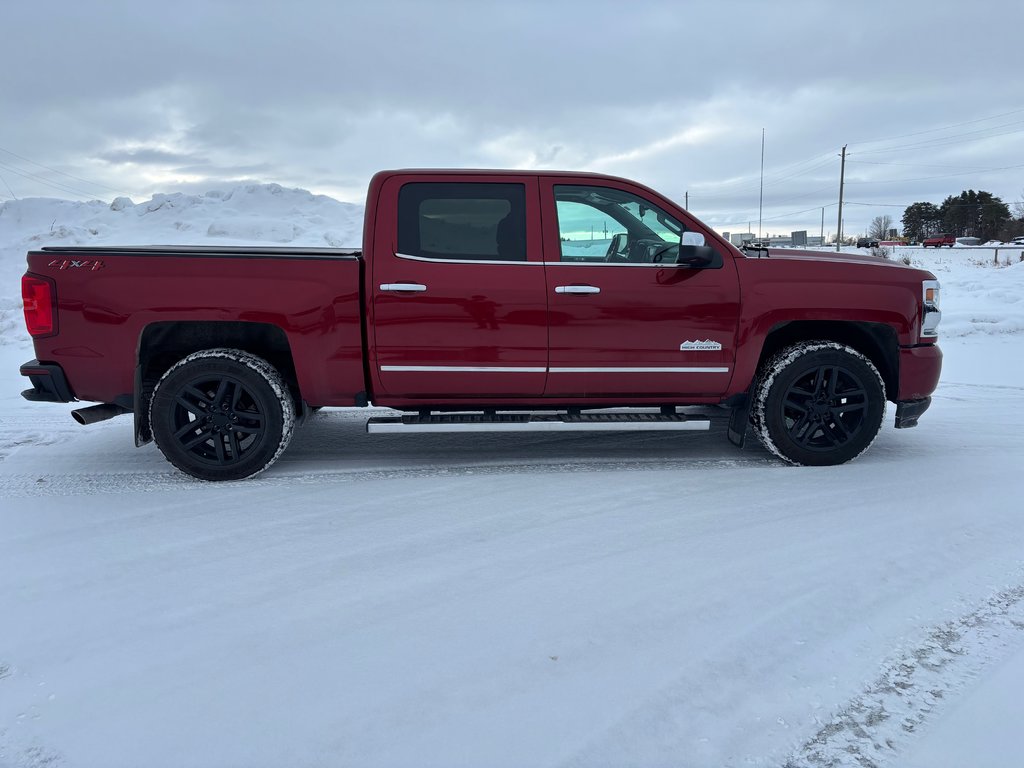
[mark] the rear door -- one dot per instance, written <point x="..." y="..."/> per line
<point x="625" y="321"/>
<point x="458" y="303"/>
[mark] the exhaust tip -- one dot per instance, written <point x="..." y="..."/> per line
<point x="95" y="413"/>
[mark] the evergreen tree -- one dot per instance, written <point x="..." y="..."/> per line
<point x="921" y="220"/>
<point x="974" y="214"/>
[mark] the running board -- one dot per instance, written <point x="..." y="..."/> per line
<point x="537" y="422"/>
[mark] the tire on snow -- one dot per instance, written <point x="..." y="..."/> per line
<point x="818" y="403"/>
<point x="222" y="414"/>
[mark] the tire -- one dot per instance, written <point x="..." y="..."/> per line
<point x="818" y="403"/>
<point x="222" y="414"/>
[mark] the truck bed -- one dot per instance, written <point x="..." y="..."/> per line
<point x="115" y="300"/>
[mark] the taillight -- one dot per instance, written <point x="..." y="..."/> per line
<point x="39" y="297"/>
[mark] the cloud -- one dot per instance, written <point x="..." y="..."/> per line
<point x="149" y="156"/>
<point x="321" y="95"/>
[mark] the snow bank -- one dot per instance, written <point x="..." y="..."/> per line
<point x="979" y="295"/>
<point x="245" y="215"/>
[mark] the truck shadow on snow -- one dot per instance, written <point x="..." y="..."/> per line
<point x="338" y="438"/>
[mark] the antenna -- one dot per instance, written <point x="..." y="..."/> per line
<point x="760" y="201"/>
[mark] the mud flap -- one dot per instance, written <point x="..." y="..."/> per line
<point x="739" y="420"/>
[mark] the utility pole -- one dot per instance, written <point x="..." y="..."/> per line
<point x="687" y="204"/>
<point x="760" y="201"/>
<point x="822" y="226"/>
<point x="842" y="178"/>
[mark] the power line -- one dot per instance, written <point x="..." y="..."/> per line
<point x="928" y="178"/>
<point x="944" y="141"/>
<point x="13" y="196"/>
<point x="54" y="170"/>
<point x="780" y="216"/>
<point x="42" y="180"/>
<point x="936" y="130"/>
<point x="922" y="165"/>
<point x="952" y="205"/>
<point x="749" y="187"/>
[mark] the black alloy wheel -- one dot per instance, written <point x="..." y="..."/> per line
<point x="819" y="403"/>
<point x="222" y="414"/>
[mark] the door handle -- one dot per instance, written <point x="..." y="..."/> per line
<point x="406" y="287"/>
<point x="580" y="289"/>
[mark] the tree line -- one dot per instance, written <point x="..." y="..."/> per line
<point x="970" y="214"/>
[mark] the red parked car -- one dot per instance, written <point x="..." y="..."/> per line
<point x="483" y="300"/>
<point x="938" y="241"/>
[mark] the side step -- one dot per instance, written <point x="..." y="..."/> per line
<point x="536" y="422"/>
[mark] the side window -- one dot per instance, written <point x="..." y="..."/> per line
<point x="586" y="232"/>
<point x="604" y="224"/>
<point x="469" y="221"/>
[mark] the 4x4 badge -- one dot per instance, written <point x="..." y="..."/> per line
<point x="700" y="346"/>
<point x="91" y="264"/>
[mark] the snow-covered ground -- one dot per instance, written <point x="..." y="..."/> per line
<point x="511" y="600"/>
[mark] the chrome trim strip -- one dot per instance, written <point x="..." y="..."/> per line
<point x="409" y="287"/>
<point x="525" y="369"/>
<point x="639" y="370"/>
<point x="462" y="369"/>
<point x="665" y="265"/>
<point x="551" y="426"/>
<point x="539" y="263"/>
<point x="464" y="261"/>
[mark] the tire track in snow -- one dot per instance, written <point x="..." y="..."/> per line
<point x="870" y="730"/>
<point x="22" y="485"/>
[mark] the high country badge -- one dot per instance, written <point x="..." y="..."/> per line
<point x="700" y="346"/>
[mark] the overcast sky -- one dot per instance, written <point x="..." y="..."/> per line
<point x="136" y="98"/>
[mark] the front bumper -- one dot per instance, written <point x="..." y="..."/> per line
<point x="49" y="384"/>
<point x="920" y="367"/>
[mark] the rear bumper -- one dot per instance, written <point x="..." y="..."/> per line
<point x="49" y="384"/>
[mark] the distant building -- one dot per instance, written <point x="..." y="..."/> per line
<point x="737" y="238"/>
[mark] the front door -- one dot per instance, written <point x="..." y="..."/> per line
<point x="625" y="321"/>
<point x="458" y="293"/>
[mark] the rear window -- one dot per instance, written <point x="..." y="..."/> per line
<point x="470" y="221"/>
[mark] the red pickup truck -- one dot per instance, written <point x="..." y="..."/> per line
<point x="485" y="300"/>
<point x="938" y="241"/>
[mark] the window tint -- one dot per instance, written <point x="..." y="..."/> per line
<point x="470" y="221"/>
<point x="602" y="224"/>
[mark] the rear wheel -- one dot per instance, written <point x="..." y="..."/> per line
<point x="222" y="414"/>
<point x="818" y="403"/>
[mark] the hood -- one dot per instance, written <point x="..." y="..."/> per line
<point x="789" y="254"/>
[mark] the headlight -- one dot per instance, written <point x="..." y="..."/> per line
<point x="930" y="312"/>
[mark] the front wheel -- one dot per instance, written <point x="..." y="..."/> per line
<point x="222" y="414"/>
<point x="818" y="403"/>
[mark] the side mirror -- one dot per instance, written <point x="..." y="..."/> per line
<point x="692" y="238"/>
<point x="619" y="242"/>
<point x="697" y="256"/>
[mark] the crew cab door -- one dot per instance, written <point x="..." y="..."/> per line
<point x="625" y="319"/>
<point x="458" y="305"/>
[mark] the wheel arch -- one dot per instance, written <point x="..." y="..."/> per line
<point x="162" y="344"/>
<point x="876" y="341"/>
